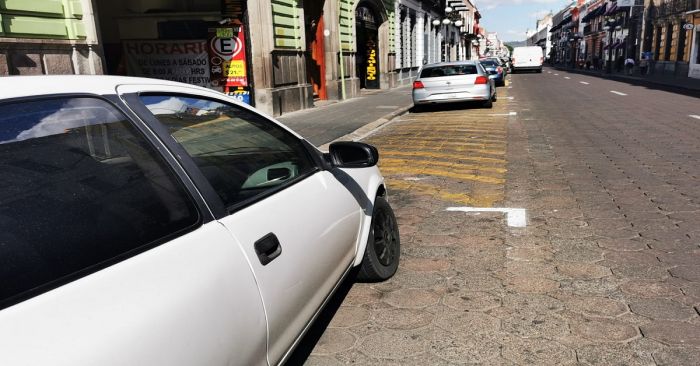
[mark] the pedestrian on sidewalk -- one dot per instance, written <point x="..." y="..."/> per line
<point x="629" y="65"/>
<point x="643" y="65"/>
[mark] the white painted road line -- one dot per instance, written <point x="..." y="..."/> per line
<point x="583" y="82"/>
<point x="556" y="74"/>
<point x="566" y="77"/>
<point x="617" y="92"/>
<point x="694" y="116"/>
<point x="516" y="217"/>
<point x="504" y="114"/>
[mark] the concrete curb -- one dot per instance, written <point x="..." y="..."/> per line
<point x="682" y="89"/>
<point x="370" y="128"/>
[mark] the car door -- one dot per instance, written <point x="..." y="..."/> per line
<point x="108" y="256"/>
<point x="297" y="223"/>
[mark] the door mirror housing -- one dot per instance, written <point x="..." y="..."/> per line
<point x="349" y="154"/>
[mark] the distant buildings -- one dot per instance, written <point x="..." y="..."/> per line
<point x="601" y="34"/>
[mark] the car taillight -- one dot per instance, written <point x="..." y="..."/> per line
<point x="481" y="80"/>
<point x="418" y="85"/>
<point x="512" y="60"/>
<point x="541" y="59"/>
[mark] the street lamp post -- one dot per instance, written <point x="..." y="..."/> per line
<point x="609" y="28"/>
<point x="450" y="15"/>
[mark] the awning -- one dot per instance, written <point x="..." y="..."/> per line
<point x="561" y="24"/>
<point x="611" y="10"/>
<point x="594" y="13"/>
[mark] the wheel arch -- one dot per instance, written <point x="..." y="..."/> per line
<point x="378" y="186"/>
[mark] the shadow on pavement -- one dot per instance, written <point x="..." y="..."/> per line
<point x="446" y="107"/>
<point x="311" y="338"/>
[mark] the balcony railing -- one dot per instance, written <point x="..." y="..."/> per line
<point x="676" y="7"/>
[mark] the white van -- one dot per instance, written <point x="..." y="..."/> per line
<point x="527" y="58"/>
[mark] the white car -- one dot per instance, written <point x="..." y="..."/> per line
<point x="528" y="58"/>
<point x="147" y="222"/>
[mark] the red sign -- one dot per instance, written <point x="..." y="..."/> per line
<point x="227" y="57"/>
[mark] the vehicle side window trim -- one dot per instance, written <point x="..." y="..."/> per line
<point x="219" y="209"/>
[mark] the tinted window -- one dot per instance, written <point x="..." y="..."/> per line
<point x="240" y="153"/>
<point x="80" y="187"/>
<point x="449" y="70"/>
<point x="489" y="63"/>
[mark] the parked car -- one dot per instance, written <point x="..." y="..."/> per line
<point x="148" y="222"/>
<point x="495" y="70"/>
<point x="453" y="82"/>
<point x="528" y="58"/>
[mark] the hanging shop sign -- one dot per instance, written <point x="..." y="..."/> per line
<point x="688" y="26"/>
<point x="227" y="59"/>
<point x="372" y="70"/>
<point x="183" y="61"/>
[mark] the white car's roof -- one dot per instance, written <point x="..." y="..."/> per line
<point x="23" y="86"/>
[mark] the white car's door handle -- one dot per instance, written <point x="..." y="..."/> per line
<point x="268" y="248"/>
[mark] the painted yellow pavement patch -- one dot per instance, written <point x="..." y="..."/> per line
<point x="453" y="155"/>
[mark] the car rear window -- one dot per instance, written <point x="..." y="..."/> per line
<point x="447" y="70"/>
<point x="489" y="63"/>
<point x="81" y="189"/>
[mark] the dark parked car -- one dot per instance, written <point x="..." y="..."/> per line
<point x="495" y="70"/>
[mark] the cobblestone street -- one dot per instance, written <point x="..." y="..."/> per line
<point x="605" y="272"/>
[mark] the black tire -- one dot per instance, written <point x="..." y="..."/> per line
<point x="381" y="259"/>
<point x="495" y="98"/>
<point x="488" y="103"/>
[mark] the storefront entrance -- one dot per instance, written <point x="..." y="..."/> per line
<point x="315" y="47"/>
<point x="367" y="58"/>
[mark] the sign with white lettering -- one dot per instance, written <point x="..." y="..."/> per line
<point x="183" y="61"/>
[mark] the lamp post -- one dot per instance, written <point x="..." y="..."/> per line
<point x="451" y="17"/>
<point x="573" y="41"/>
<point x="611" y="25"/>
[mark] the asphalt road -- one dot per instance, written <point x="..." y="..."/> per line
<point x="606" y="270"/>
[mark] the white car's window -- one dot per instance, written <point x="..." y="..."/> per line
<point x="240" y="153"/>
<point x="81" y="187"/>
<point x="448" y="70"/>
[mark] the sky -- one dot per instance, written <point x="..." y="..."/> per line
<point x="512" y="18"/>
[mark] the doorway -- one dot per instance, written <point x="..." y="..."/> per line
<point x="315" y="47"/>
<point x="367" y="58"/>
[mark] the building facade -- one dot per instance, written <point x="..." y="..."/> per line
<point x="278" y="55"/>
<point x="48" y="37"/>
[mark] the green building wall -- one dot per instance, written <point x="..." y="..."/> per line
<point x="53" y="19"/>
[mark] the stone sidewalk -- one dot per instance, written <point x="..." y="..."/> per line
<point x="324" y="124"/>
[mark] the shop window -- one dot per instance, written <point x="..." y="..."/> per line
<point x="667" y="44"/>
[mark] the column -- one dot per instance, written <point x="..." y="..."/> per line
<point x="406" y="39"/>
<point x="397" y="35"/>
<point x="420" y="38"/>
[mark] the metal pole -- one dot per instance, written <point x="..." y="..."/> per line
<point x="610" y="50"/>
<point x="342" y="60"/>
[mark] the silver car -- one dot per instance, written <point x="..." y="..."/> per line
<point x="453" y="82"/>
